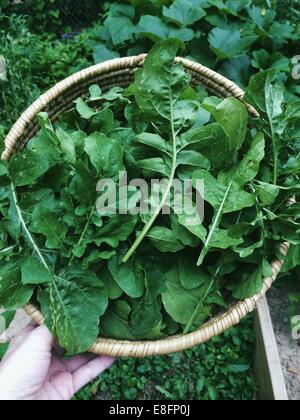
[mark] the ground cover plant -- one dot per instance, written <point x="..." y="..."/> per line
<point x="149" y="275"/>
<point x="221" y="370"/>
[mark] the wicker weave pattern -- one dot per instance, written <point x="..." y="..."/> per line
<point x="115" y="73"/>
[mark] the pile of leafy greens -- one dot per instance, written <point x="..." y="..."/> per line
<point x="138" y="276"/>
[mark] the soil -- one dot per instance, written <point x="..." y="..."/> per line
<point x="289" y="348"/>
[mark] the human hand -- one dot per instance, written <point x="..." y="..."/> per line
<point x="32" y="369"/>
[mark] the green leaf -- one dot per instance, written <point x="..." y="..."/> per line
<point x="253" y="283"/>
<point x="4" y="175"/>
<point x="152" y="140"/>
<point x="3" y="349"/>
<point x="212" y="142"/>
<point x="34" y="272"/>
<point x="249" y="166"/>
<point x="48" y="223"/>
<point x="115" y="323"/>
<point x="179" y="227"/>
<point x="83" y="185"/>
<point x="79" y="299"/>
<point x="292" y="260"/>
<point x="121" y="29"/>
<point x="228" y="44"/>
<point x="102" y="53"/>
<point x="261" y="17"/>
<point x="268" y="98"/>
<point x="154" y="166"/>
<point x="13" y="295"/>
<point x="158" y="87"/>
<point x="224" y="200"/>
<point x="67" y="146"/>
<point x="105" y="154"/>
<point x="84" y="110"/>
<point x="103" y="122"/>
<point x="232" y="6"/>
<point x="267" y="193"/>
<point x="190" y="275"/>
<point x="117" y="229"/>
<point x="215" y="191"/>
<point x="180" y="303"/>
<point x="193" y="223"/>
<point x="146" y="313"/>
<point x="8" y="317"/>
<point x="112" y="287"/>
<point x="155" y="29"/>
<point x="193" y="158"/>
<point x="165" y="240"/>
<point x="238" y="70"/>
<point x="27" y="167"/>
<point x="183" y="12"/>
<point x="129" y="276"/>
<point x="232" y="115"/>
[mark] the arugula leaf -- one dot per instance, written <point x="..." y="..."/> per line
<point x="268" y="99"/>
<point x="4" y="175"/>
<point x="67" y="146"/>
<point x="34" y="272"/>
<point x="165" y="240"/>
<point x="13" y="295"/>
<point x="27" y="167"/>
<point x="232" y="115"/>
<point x="78" y="298"/>
<point x="48" y="223"/>
<point x="248" y="168"/>
<point x="146" y="313"/>
<point x="105" y="154"/>
<point x="158" y="88"/>
<point x="253" y="283"/>
<point x="128" y="276"/>
<point x="212" y="142"/>
<point x="180" y="303"/>
<point x="8" y="317"/>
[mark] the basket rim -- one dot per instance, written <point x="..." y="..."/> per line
<point x="216" y="325"/>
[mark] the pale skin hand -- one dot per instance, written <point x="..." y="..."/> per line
<point x="32" y="370"/>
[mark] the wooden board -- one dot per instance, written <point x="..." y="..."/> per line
<point x="268" y="369"/>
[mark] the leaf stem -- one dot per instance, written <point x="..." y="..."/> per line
<point x="83" y="232"/>
<point x="157" y="211"/>
<point x="27" y="233"/>
<point x="195" y="313"/>
<point x="7" y="249"/>
<point x="214" y="226"/>
<point x="275" y="156"/>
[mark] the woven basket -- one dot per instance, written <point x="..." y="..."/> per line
<point x="120" y="72"/>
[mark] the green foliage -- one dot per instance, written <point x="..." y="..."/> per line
<point x="220" y="369"/>
<point x="51" y="206"/>
<point x="26" y="59"/>
<point x="235" y="38"/>
<point x="43" y="15"/>
<point x="48" y="15"/>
